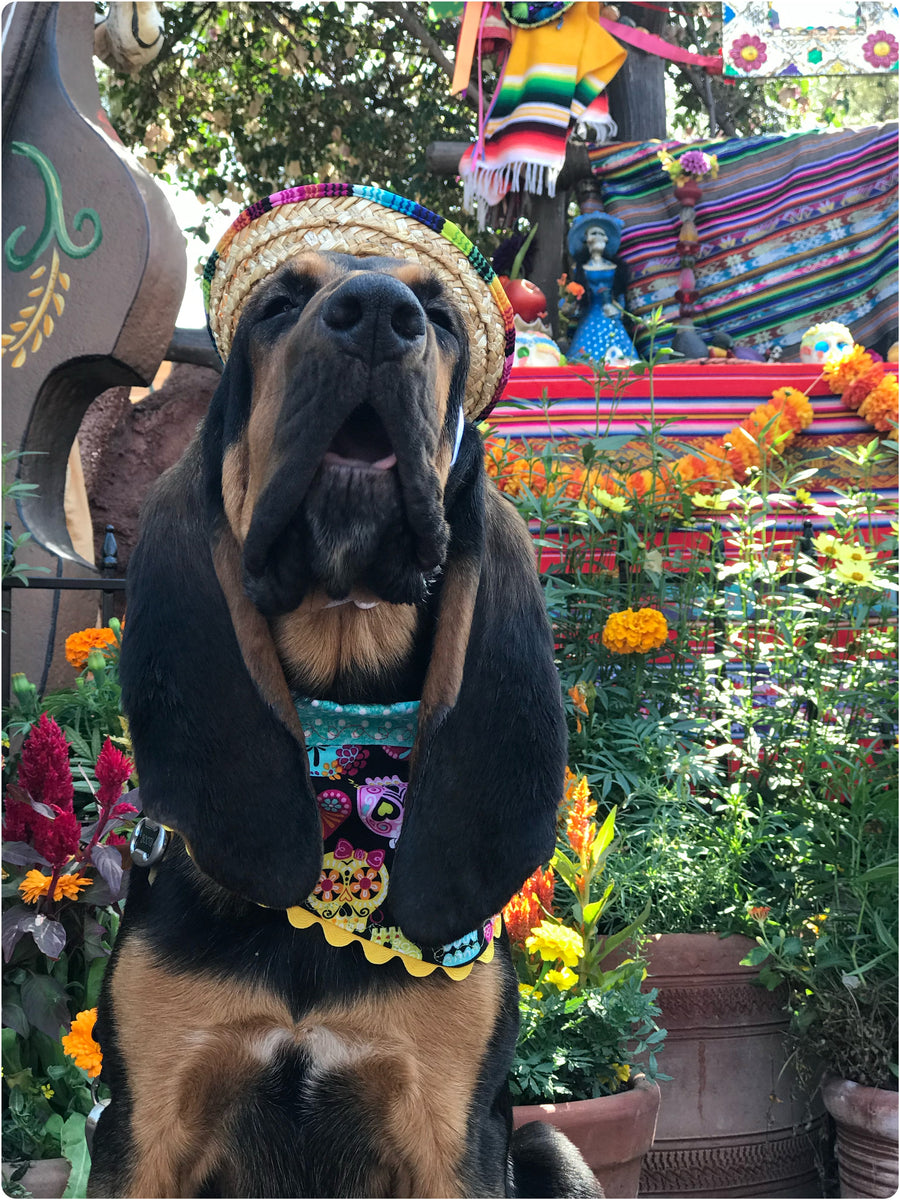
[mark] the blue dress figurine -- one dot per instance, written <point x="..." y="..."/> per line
<point x="600" y="335"/>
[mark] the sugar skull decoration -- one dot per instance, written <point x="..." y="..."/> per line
<point x="380" y="804"/>
<point x="352" y="885"/>
<point x="824" y="343"/>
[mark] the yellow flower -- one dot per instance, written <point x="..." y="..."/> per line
<point x="554" y="942"/>
<point x="47" y="1091"/>
<point x="530" y="992"/>
<point x="852" y="552"/>
<point x="715" y="503"/>
<point x="623" y="1071"/>
<point x="857" y="573"/>
<point x="36" y="884"/>
<point x="615" y="503"/>
<point x="802" y="496"/>
<point x="827" y="544"/>
<point x="79" y="645"/>
<point x="631" y="632"/>
<point x="563" y="979"/>
<point x="79" y="1043"/>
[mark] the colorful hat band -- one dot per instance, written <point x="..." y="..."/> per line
<point x="352" y="219"/>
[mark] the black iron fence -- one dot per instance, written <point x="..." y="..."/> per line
<point x="107" y="583"/>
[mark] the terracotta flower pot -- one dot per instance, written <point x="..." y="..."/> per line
<point x="866" y="1122"/>
<point x="45" y="1179"/>
<point x="612" y="1132"/>
<point x="734" y="1120"/>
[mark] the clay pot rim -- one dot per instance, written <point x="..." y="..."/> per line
<point x="862" y="1107"/>
<point x="641" y="1094"/>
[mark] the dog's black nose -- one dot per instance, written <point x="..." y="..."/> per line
<point x="375" y="317"/>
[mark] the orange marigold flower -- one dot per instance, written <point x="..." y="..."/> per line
<point x="741" y="452"/>
<point x="858" y="389"/>
<point x="79" y="1043"/>
<point x="575" y="289"/>
<point x="794" y="406"/>
<point x="631" y="632"/>
<point x="756" y="424"/>
<point x="880" y="406"/>
<point x="707" y="470"/>
<point x="579" y="698"/>
<point x="79" y="645"/>
<point x="840" y="373"/>
<point x="37" y="884"/>
<point x="580" y="827"/>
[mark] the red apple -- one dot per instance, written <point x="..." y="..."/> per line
<point x="528" y="301"/>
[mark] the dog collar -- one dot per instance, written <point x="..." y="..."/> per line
<point x="359" y="767"/>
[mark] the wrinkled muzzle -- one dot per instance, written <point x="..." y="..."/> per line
<point x="354" y="498"/>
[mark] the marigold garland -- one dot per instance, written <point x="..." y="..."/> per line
<point x="865" y="387"/>
<point x="631" y="632"/>
<point x="79" y="1043"/>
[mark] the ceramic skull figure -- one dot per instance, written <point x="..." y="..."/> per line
<point x="822" y="343"/>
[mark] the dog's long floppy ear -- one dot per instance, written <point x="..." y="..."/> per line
<point x="219" y="748"/>
<point x="489" y="761"/>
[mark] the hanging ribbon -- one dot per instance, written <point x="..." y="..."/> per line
<point x="465" y="46"/>
<point x="651" y="44"/>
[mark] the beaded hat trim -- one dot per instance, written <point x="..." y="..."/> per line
<point x="365" y="221"/>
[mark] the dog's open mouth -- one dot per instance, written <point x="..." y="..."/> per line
<point x="361" y="442"/>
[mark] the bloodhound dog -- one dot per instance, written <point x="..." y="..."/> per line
<point x="315" y="542"/>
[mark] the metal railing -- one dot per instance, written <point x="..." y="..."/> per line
<point x="107" y="583"/>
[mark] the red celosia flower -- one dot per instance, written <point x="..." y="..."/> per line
<point x="529" y="906"/>
<point x="45" y="776"/>
<point x="113" y="770"/>
<point x="57" y="840"/>
<point x="44" y="770"/>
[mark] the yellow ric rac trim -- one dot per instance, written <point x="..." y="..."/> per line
<point x="302" y="918"/>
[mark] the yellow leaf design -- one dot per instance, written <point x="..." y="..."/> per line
<point x="35" y="292"/>
<point x="58" y="303"/>
<point x="29" y="311"/>
<point x="19" y="359"/>
<point x="17" y="326"/>
<point x="63" y="281"/>
<point x="48" y="325"/>
<point x="36" y="344"/>
<point x="38" y="273"/>
<point x="6" y="339"/>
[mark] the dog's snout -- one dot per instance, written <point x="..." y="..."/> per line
<point x="375" y="317"/>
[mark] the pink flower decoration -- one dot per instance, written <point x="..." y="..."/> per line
<point x="748" y="52"/>
<point x="880" y="49"/>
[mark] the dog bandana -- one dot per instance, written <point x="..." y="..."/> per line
<point x="359" y="766"/>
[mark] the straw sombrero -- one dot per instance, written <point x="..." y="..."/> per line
<point x="351" y="219"/>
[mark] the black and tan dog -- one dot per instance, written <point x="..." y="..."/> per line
<point x="247" y="1057"/>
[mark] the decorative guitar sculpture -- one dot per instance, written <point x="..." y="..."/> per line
<point x="93" y="260"/>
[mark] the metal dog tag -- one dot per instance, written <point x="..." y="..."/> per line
<point x="148" y="842"/>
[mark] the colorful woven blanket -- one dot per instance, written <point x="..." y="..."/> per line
<point x="553" y="75"/>
<point x="560" y="405"/>
<point x="795" y="230"/>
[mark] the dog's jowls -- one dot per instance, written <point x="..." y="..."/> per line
<point x="315" y="541"/>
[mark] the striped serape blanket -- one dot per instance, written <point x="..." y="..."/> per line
<point x="795" y="230"/>
<point x="696" y="401"/>
<point x="553" y="75"/>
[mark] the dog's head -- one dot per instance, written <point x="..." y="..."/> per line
<point x="338" y="461"/>
<point x="336" y="479"/>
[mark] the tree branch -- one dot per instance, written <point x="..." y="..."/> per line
<point x="411" y="23"/>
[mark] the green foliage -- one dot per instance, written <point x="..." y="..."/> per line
<point x="246" y="99"/>
<point x="751" y="758"/>
<point x="14" y="490"/>
<point x="56" y="951"/>
<point x="583" y="1031"/>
